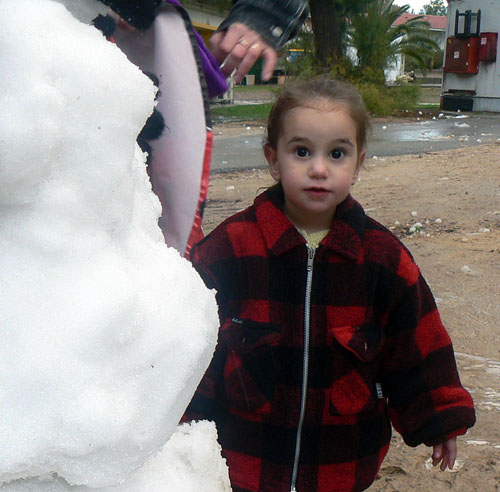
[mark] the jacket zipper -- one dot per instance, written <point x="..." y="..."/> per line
<point x="307" y="319"/>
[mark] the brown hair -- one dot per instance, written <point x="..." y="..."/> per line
<point x="332" y="91"/>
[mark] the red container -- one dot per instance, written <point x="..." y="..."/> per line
<point x="462" y="55"/>
<point x="488" y="47"/>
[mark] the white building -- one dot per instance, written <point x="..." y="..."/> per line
<point x="471" y="79"/>
<point x="437" y="32"/>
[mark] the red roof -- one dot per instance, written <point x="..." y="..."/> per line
<point x="436" y="21"/>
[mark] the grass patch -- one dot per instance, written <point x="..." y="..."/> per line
<point x="380" y="101"/>
<point x="252" y="89"/>
<point x="246" y="112"/>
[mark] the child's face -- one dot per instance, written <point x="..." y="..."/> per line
<point x="317" y="161"/>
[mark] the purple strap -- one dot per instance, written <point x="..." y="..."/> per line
<point x="216" y="80"/>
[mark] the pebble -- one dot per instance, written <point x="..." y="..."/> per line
<point x="414" y="214"/>
<point x="465" y="269"/>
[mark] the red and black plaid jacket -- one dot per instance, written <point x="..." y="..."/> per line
<point x="366" y="346"/>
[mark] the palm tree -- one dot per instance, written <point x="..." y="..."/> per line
<point x="377" y="42"/>
<point x="329" y="19"/>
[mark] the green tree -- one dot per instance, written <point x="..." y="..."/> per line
<point x="329" y="23"/>
<point x="378" y="42"/>
<point x="434" y="7"/>
<point x="300" y="54"/>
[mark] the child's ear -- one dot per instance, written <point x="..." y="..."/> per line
<point x="272" y="159"/>
<point x="362" y="157"/>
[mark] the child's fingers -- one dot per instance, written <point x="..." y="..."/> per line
<point x="451" y="454"/>
<point x="445" y="454"/>
<point x="437" y="454"/>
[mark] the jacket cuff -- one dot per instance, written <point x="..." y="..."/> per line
<point x="442" y="427"/>
<point x="275" y="21"/>
<point x="138" y="13"/>
<point x="451" y="435"/>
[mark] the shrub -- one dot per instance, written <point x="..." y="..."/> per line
<point x="405" y="96"/>
<point x="376" y="98"/>
<point x="383" y="101"/>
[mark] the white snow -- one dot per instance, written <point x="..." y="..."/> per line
<point x="104" y="331"/>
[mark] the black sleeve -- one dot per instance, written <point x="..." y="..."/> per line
<point x="139" y="13"/>
<point x="277" y="21"/>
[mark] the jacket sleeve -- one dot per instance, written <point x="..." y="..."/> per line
<point x="206" y="402"/>
<point x="138" y="13"/>
<point x="427" y="402"/>
<point x="277" y="21"/>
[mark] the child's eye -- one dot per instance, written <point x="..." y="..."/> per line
<point x="302" y="152"/>
<point x="337" y="154"/>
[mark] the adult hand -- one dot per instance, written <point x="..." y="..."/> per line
<point x="446" y="453"/>
<point x="239" y="47"/>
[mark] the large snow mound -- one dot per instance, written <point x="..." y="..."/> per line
<point x="104" y="331"/>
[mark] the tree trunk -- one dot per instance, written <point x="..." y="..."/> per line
<point x="327" y="31"/>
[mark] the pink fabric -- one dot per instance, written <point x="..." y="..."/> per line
<point x="178" y="156"/>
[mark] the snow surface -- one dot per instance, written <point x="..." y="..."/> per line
<point x="104" y="331"/>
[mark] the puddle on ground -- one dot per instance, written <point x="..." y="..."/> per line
<point x="481" y="376"/>
<point x="414" y="132"/>
<point x="438" y="129"/>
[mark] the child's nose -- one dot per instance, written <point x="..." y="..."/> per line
<point x="318" y="168"/>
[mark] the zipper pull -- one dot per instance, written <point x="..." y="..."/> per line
<point x="310" y="255"/>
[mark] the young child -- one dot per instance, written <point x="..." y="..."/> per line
<point x="328" y="330"/>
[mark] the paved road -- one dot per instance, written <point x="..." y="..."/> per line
<point x="449" y="131"/>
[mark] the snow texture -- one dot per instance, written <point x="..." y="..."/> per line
<point x="104" y="331"/>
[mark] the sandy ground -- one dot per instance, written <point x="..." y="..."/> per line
<point x="455" y="197"/>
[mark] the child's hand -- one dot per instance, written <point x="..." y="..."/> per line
<point x="445" y="453"/>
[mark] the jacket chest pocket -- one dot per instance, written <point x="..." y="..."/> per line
<point x="356" y="388"/>
<point x="252" y="366"/>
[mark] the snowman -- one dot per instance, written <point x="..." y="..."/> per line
<point x="105" y="332"/>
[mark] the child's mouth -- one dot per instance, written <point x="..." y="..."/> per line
<point x="317" y="191"/>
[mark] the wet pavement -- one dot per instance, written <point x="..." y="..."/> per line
<point x="446" y="131"/>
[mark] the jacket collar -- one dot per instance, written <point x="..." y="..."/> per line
<point x="280" y="235"/>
